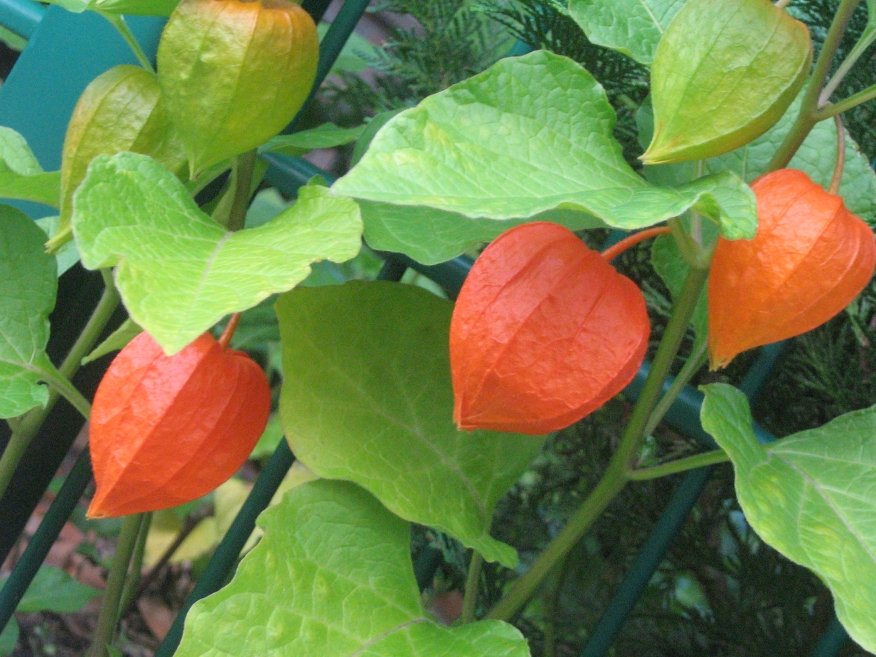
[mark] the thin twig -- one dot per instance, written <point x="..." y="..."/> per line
<point x="840" y="156"/>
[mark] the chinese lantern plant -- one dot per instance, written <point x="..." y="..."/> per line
<point x="408" y="407"/>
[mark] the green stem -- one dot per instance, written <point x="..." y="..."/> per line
<point x="689" y="249"/>
<point x="681" y="465"/>
<point x="472" y="584"/>
<point x="859" y="98"/>
<point x="61" y="385"/>
<point x="132" y="584"/>
<point x="682" y="311"/>
<point x="866" y="40"/>
<point x="806" y="118"/>
<point x="617" y="472"/>
<point x="31" y="422"/>
<point x="694" y="362"/>
<point x="119" y="23"/>
<point x="109" y="607"/>
<point x="606" y="490"/>
<point x="242" y="172"/>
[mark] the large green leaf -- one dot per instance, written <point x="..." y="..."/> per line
<point x="21" y="176"/>
<point x="367" y="397"/>
<point x="811" y="496"/>
<point x="816" y="156"/>
<point x="28" y="282"/>
<point x="724" y="73"/>
<point x="633" y="27"/>
<point x="332" y="577"/>
<point x="528" y="135"/>
<point x="179" y="272"/>
<point x="431" y="236"/>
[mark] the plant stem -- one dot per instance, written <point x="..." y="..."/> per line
<point x="61" y="385"/>
<point x="109" y="607"/>
<point x="866" y="40"/>
<point x="119" y="23"/>
<point x="472" y="584"/>
<point x="694" y="362"/>
<point x="781" y="4"/>
<point x="837" y="179"/>
<point x="690" y="250"/>
<point x="680" y="465"/>
<point x="132" y="586"/>
<point x="617" y="472"/>
<point x="615" y="250"/>
<point x="228" y="333"/>
<point x="612" y="482"/>
<point x="682" y="311"/>
<point x="242" y="180"/>
<point x="31" y="422"/>
<point x="844" y="105"/>
<point x="806" y="118"/>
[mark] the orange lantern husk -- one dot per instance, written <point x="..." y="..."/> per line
<point x="810" y="258"/>
<point x="166" y="430"/>
<point x="544" y="332"/>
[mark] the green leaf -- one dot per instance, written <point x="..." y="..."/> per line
<point x="135" y="7"/>
<point x="327" y="135"/>
<point x="28" y="283"/>
<point x="332" y="577"/>
<point x="816" y="157"/>
<point x="21" y="176"/>
<point x="68" y="255"/>
<point x="371" y="129"/>
<point x="672" y="268"/>
<point x="432" y="236"/>
<point x="54" y="590"/>
<point x="115" y="341"/>
<point x="810" y="496"/>
<point x="724" y="73"/>
<point x="633" y="27"/>
<point x="356" y="55"/>
<point x="76" y="6"/>
<point x="270" y="438"/>
<point x="513" y="142"/>
<point x="367" y="398"/>
<point x="179" y="272"/>
<point x="9" y="637"/>
<point x="131" y="7"/>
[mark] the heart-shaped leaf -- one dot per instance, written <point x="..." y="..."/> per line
<point x="633" y="27"/>
<point x="367" y="397"/>
<point x="512" y="143"/>
<point x="28" y="282"/>
<point x="344" y="588"/>
<point x="21" y="176"/>
<point x="179" y="272"/>
<point x="810" y="496"/>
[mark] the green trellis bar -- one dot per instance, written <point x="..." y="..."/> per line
<point x="22" y="17"/>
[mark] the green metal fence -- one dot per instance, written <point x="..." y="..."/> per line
<point x="64" y="53"/>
